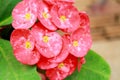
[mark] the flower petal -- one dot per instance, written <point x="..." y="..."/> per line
<point x="27" y="57"/>
<point x="45" y="64"/>
<point x="44" y="16"/>
<point x="64" y="52"/>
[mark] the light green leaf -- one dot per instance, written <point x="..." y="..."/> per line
<point x="95" y="68"/>
<point x="6" y="7"/>
<point x="11" y="69"/>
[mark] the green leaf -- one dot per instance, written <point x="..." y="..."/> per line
<point x="6" y="21"/>
<point x="11" y="69"/>
<point x="6" y="7"/>
<point x="95" y="68"/>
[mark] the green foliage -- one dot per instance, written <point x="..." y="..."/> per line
<point x="11" y="69"/>
<point x="95" y="68"/>
<point x="6" y="7"/>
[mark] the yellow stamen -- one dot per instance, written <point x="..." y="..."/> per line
<point x="63" y="18"/>
<point x="45" y="39"/>
<point x="75" y="43"/>
<point x="45" y="15"/>
<point x="28" y="45"/>
<point x="27" y="16"/>
<point x="61" y="65"/>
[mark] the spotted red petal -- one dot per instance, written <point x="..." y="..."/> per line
<point x="44" y="16"/>
<point x="55" y="1"/>
<point x="63" y="69"/>
<point x="81" y="62"/>
<point x="44" y="64"/>
<point x="65" y="17"/>
<point x="84" y="19"/>
<point x="24" y="14"/>
<point x="48" y="43"/>
<point x="27" y="57"/>
<point x="24" y="47"/>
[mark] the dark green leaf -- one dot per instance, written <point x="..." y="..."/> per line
<point x="6" y="7"/>
<point x="11" y="69"/>
<point x="95" y="68"/>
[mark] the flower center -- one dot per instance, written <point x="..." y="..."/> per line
<point x="63" y="18"/>
<point x="28" y="45"/>
<point x="75" y="43"/>
<point x="45" y="15"/>
<point x="27" y="16"/>
<point x="45" y="39"/>
<point x="61" y="65"/>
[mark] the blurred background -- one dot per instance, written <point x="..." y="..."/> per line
<point x="105" y="29"/>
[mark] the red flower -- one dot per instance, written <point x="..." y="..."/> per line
<point x="80" y="42"/>
<point x="65" y="17"/>
<point x="44" y="16"/>
<point x="48" y="43"/>
<point x="23" y="45"/>
<point x="24" y="14"/>
<point x="63" y="69"/>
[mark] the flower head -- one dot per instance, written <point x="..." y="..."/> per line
<point x="37" y="40"/>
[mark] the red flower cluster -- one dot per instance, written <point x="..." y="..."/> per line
<point x="37" y="37"/>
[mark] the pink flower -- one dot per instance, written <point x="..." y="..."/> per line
<point x="80" y="42"/>
<point x="65" y="17"/>
<point x="63" y="69"/>
<point x="48" y="43"/>
<point x="24" y="14"/>
<point x="44" y="16"/>
<point x="36" y="38"/>
<point x="24" y="47"/>
<point x="48" y="63"/>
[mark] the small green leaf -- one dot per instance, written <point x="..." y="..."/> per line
<point x="11" y="69"/>
<point x="6" y="7"/>
<point x="95" y="68"/>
